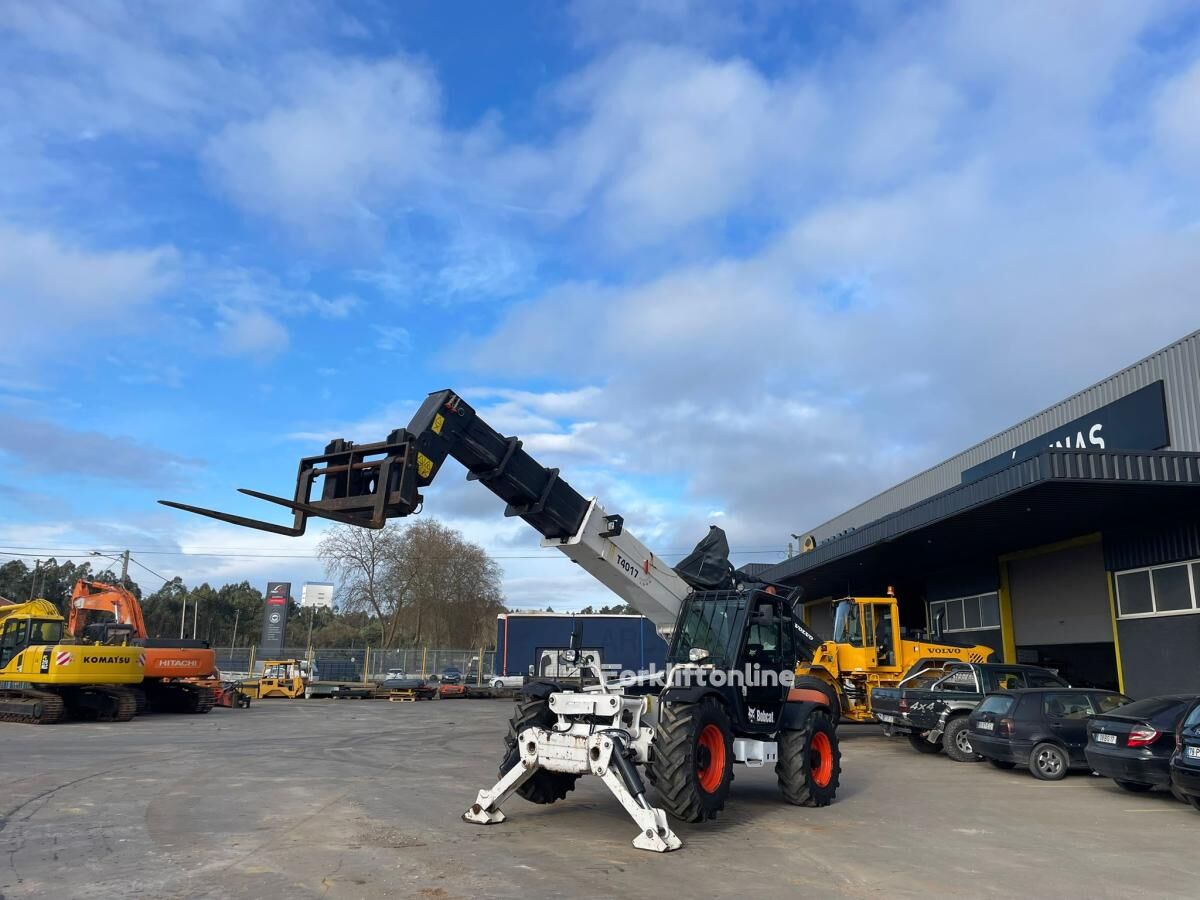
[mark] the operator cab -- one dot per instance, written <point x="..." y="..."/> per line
<point x="740" y="642"/>
<point x="868" y="623"/>
<point x="21" y="633"/>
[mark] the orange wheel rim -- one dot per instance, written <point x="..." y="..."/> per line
<point x="821" y="759"/>
<point x="710" y="764"/>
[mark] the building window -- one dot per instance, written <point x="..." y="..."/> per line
<point x="1158" y="591"/>
<point x="966" y="613"/>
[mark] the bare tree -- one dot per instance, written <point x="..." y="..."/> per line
<point x="424" y="582"/>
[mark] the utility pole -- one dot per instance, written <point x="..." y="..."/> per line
<point x="183" y="616"/>
<point x="124" y="568"/>
<point x="237" y="614"/>
<point x="195" y="617"/>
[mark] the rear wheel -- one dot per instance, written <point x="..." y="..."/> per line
<point x="917" y="739"/>
<point x="810" y="762"/>
<point x="1048" y="762"/>
<point x="692" y="763"/>
<point x="545" y="786"/>
<point x="957" y="741"/>
<point x="1002" y="764"/>
<point x="1134" y="787"/>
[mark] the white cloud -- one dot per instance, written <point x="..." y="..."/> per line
<point x="343" y="142"/>
<point x="51" y="288"/>
<point x="1177" y="119"/>
<point x="251" y="332"/>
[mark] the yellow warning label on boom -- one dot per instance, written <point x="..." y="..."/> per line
<point x="424" y="465"/>
<point x="436" y="427"/>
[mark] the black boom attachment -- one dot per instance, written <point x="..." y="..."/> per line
<point x="367" y="484"/>
<point x="356" y="484"/>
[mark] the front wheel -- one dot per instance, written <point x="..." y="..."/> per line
<point x="957" y="741"/>
<point x="544" y="786"/>
<point x="810" y="762"/>
<point x="917" y="739"/>
<point x="691" y="766"/>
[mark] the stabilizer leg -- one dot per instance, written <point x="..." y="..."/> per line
<point x="486" y="808"/>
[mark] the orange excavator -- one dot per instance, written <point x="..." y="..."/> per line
<point x="181" y="675"/>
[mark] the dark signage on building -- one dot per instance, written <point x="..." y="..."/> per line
<point x="1137" y="421"/>
<point x="275" y="611"/>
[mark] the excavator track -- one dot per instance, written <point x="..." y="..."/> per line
<point x="125" y="704"/>
<point x="31" y="707"/>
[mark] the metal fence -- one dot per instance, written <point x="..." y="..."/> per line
<point x="364" y="663"/>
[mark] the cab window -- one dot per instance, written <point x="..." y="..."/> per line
<point x="12" y="640"/>
<point x="1043" y="679"/>
<point x="962" y="681"/>
<point x="45" y="632"/>
<point x="762" y="639"/>
<point x="1006" y="679"/>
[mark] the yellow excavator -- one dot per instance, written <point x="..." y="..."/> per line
<point x="867" y="651"/>
<point x="46" y="677"/>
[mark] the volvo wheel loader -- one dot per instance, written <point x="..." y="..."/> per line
<point x="727" y="696"/>
<point x="181" y="675"/>
<point x="868" y="650"/>
<point x="45" y="677"/>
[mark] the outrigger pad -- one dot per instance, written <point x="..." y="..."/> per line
<point x="362" y="485"/>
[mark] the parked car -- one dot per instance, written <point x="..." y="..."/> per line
<point x="398" y="681"/>
<point x="1133" y="744"/>
<point x="1044" y="729"/>
<point x="452" y="675"/>
<point x="932" y="706"/>
<point x="504" y="682"/>
<point x="1185" y="761"/>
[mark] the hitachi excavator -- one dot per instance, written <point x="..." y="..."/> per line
<point x="727" y="695"/>
<point x="181" y="676"/>
<point x="44" y="677"/>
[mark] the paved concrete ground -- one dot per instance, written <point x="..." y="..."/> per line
<point x="296" y="799"/>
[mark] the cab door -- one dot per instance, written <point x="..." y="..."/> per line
<point x="12" y="640"/>
<point x="887" y="634"/>
<point x="763" y="659"/>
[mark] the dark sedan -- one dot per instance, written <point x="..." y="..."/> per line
<point x="1133" y="744"/>
<point x="1185" y="762"/>
<point x="1044" y="729"/>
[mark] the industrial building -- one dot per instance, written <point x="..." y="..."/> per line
<point x="1071" y="539"/>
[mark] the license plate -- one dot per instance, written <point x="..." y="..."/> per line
<point x="985" y="726"/>
<point x="1106" y="739"/>
<point x="1193" y="752"/>
<point x="885" y="718"/>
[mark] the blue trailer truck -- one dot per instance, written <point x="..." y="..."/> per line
<point x="629" y="643"/>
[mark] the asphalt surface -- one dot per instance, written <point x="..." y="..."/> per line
<point x="299" y="799"/>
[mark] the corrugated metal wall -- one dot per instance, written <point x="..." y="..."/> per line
<point x="1151" y="546"/>
<point x="1177" y="365"/>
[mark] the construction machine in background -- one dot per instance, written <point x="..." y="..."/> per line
<point x="181" y="675"/>
<point x="868" y="649"/>
<point x="286" y="678"/>
<point x="45" y="677"/>
<point x="720" y="627"/>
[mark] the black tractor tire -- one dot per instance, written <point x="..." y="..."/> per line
<point x="831" y="695"/>
<point x="809" y="766"/>
<point x="1049" y="762"/>
<point x="956" y="741"/>
<point x="1003" y="764"/>
<point x="545" y="786"/>
<point x="917" y="739"/>
<point x="1134" y="787"/>
<point x="691" y="766"/>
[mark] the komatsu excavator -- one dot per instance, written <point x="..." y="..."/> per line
<point x="44" y="677"/>
<point x="181" y="675"/>
<point x="727" y="696"/>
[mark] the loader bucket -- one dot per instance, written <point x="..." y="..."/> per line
<point x="362" y="485"/>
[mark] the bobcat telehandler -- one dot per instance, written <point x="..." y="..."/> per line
<point x="181" y="675"/>
<point x="727" y="695"/>
<point x="44" y="677"/>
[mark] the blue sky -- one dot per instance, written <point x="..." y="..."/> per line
<point x="744" y="264"/>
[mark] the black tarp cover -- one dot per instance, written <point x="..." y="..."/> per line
<point x="707" y="567"/>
